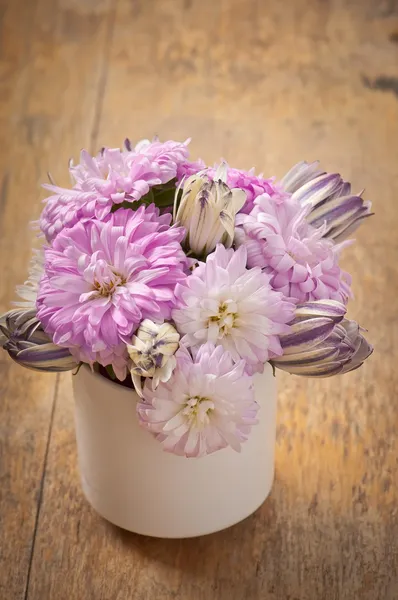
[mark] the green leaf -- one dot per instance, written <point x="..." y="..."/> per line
<point x="124" y="204"/>
<point x="170" y="185"/>
<point x="161" y="195"/>
<point x="149" y="197"/>
<point x="111" y="372"/>
<point x="164" y="198"/>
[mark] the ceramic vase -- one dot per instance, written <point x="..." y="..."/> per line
<point x="132" y="482"/>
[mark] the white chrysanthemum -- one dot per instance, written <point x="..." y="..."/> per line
<point x="229" y="305"/>
<point x="206" y="405"/>
<point x="28" y="290"/>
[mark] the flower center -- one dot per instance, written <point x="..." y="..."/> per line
<point x="197" y="411"/>
<point x="106" y="283"/>
<point x="293" y="256"/>
<point x="225" y="318"/>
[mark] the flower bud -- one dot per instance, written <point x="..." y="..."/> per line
<point x="328" y="197"/>
<point x="21" y="334"/>
<point x="207" y="211"/>
<point x="321" y="342"/>
<point x="152" y="353"/>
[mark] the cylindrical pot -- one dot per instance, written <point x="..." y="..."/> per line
<point x="132" y="482"/>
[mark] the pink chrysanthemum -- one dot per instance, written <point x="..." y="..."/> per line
<point x="103" y="277"/>
<point x="172" y="158"/>
<point x="112" y="177"/>
<point x="206" y="405"/>
<point x="253" y="185"/>
<point x="229" y="305"/>
<point x="302" y="264"/>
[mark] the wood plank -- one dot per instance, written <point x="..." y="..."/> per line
<point x="45" y="50"/>
<point x="265" y="84"/>
<point x="26" y="399"/>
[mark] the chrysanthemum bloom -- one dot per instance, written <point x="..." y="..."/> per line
<point x="229" y="305"/>
<point x="207" y="404"/>
<point x="321" y="342"/>
<point x="103" y="277"/>
<point x="152" y="352"/>
<point x="112" y="177"/>
<point x="253" y="185"/>
<point x="331" y="204"/>
<point x="171" y="157"/>
<point x="302" y="264"/>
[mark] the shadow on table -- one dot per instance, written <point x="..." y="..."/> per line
<point x="238" y="547"/>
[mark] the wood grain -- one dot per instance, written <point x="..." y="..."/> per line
<point x="264" y="84"/>
<point x="47" y="111"/>
<point x="26" y="399"/>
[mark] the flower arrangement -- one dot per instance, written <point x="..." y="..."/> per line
<point x="183" y="281"/>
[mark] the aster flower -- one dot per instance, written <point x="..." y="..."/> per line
<point x="207" y="210"/>
<point x="206" y="405"/>
<point x="231" y="306"/>
<point x="322" y="342"/>
<point x="171" y="157"/>
<point x="253" y="185"/>
<point x="302" y="264"/>
<point x="331" y="204"/>
<point x="22" y="336"/>
<point x="152" y="353"/>
<point x="102" y="278"/>
<point x="112" y="178"/>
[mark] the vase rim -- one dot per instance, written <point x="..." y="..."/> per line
<point x="122" y="388"/>
<point x="113" y="384"/>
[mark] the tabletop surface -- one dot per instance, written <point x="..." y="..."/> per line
<point x="264" y="84"/>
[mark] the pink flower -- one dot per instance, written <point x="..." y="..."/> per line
<point x="172" y="158"/>
<point x="207" y="404"/>
<point x="253" y="185"/>
<point x="231" y="306"/>
<point x="112" y="177"/>
<point x="302" y="264"/>
<point x="103" y="277"/>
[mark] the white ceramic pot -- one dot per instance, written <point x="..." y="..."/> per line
<point x="133" y="483"/>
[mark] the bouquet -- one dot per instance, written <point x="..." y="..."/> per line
<point x="182" y="281"/>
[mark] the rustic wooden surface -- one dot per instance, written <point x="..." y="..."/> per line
<point x="262" y="83"/>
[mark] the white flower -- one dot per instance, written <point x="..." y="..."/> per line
<point x="28" y="290"/>
<point x="207" y="211"/>
<point x="229" y="305"/>
<point x="152" y="353"/>
<point x="208" y="404"/>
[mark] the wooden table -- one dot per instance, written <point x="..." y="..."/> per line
<point x="262" y="83"/>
